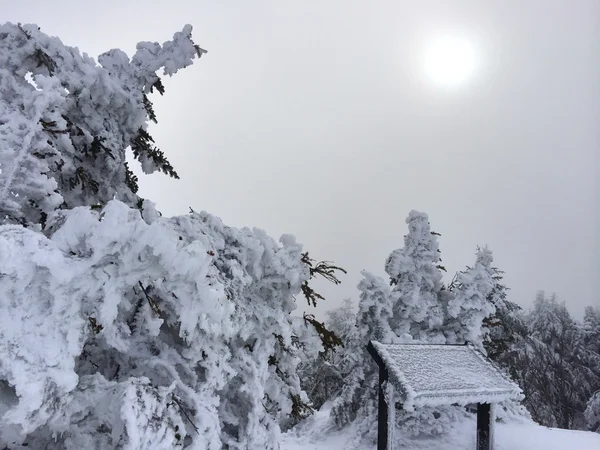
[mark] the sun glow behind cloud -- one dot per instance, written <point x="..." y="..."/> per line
<point x="449" y="61"/>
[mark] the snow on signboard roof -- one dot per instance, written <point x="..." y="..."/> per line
<point x="429" y="375"/>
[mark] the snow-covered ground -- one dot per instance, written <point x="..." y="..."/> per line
<point x="512" y="436"/>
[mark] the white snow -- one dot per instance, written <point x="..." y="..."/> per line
<point x="430" y="375"/>
<point x="524" y="435"/>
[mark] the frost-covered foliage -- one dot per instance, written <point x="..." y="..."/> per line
<point x="375" y="309"/>
<point x="591" y="329"/>
<point x="416" y="307"/>
<point x="66" y="122"/>
<point x="592" y="412"/>
<point x="554" y="367"/>
<point x="120" y="328"/>
<point x="470" y="305"/>
<point x="356" y="399"/>
<point x="505" y="327"/>
<point x="411" y="309"/>
<point x="417" y="281"/>
<point x="342" y="320"/>
<point x="170" y="332"/>
<point x="322" y="378"/>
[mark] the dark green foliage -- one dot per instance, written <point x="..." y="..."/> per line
<point x="505" y="327"/>
<point x="96" y="327"/>
<point x="300" y="409"/>
<point x="83" y="178"/>
<point x="142" y="146"/>
<point x="329" y="339"/>
<point x="323" y="268"/>
<point x="131" y="180"/>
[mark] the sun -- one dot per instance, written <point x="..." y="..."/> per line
<point x="449" y="61"/>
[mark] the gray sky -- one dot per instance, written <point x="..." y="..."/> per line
<point x="313" y="118"/>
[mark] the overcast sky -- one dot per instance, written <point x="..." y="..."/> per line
<point x="314" y="118"/>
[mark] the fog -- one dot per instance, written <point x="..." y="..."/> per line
<point x="315" y="119"/>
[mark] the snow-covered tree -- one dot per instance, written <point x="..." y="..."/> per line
<point x="416" y="275"/>
<point x="342" y="320"/>
<point x="470" y="304"/>
<point x="66" y="122"/>
<point x="322" y="378"/>
<point x="591" y="328"/>
<point x="357" y="399"/>
<point x="592" y="412"/>
<point x="410" y="309"/>
<point x="554" y="367"/>
<point x="505" y="327"/>
<point x="591" y="336"/>
<point x="120" y="328"/>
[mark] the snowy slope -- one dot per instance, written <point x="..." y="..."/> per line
<point x="315" y="435"/>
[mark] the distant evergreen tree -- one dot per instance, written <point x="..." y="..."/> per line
<point x="356" y="399"/>
<point x="592" y="412"/>
<point x="416" y="277"/>
<point x="322" y="378"/>
<point x="591" y="333"/>
<point x="471" y="302"/>
<point x="591" y="328"/>
<point x="342" y="321"/>
<point x="409" y="309"/>
<point x="554" y="367"/>
<point x="505" y="327"/>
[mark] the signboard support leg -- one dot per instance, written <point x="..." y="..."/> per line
<point x="483" y="426"/>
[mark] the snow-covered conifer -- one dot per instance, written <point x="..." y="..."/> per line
<point x="591" y="328"/>
<point x="411" y="309"/>
<point x="356" y="399"/>
<point x="120" y="328"/>
<point x="416" y="276"/>
<point x="554" y="367"/>
<point x="322" y="378"/>
<point x="471" y="304"/>
<point x="592" y="412"/>
<point x="66" y="122"/>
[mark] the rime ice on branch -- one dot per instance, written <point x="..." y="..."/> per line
<point x="66" y="122"/>
<point x="119" y="327"/>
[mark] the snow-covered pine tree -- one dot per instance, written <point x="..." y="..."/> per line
<point x="342" y="320"/>
<point x="410" y="310"/>
<point x="591" y="328"/>
<point x="120" y="328"/>
<point x="505" y="327"/>
<point x="357" y="399"/>
<point x="592" y="412"/>
<point x="322" y="378"/>
<point x="416" y="276"/>
<point x="591" y="336"/>
<point x="69" y="121"/>
<point x="470" y="304"/>
<point x="500" y="334"/>
<point x="553" y="367"/>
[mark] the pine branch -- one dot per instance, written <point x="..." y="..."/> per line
<point x="323" y="268"/>
<point x="185" y="414"/>
<point x="329" y="339"/>
<point x="300" y="410"/>
<point x="151" y="301"/>
<point x="142" y="146"/>
<point x="131" y="179"/>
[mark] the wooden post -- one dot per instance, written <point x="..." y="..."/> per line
<point x="483" y="427"/>
<point x="390" y="400"/>
<point x="382" y="417"/>
<point x="384" y="437"/>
